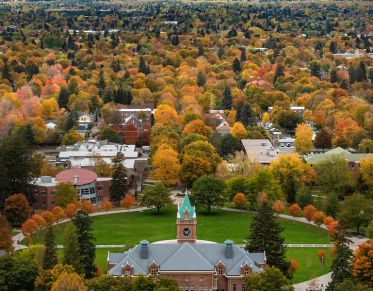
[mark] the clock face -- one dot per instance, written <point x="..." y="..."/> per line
<point x="186" y="231"/>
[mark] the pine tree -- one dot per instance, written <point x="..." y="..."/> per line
<point x="227" y="98"/>
<point x="243" y="57"/>
<point x="221" y="52"/>
<point x="143" y="68"/>
<point x="71" y="248"/>
<point x="118" y="186"/>
<point x="101" y="84"/>
<point x="63" y="98"/>
<point x="201" y="79"/>
<point x="6" y="73"/>
<point x="247" y="114"/>
<point x="333" y="76"/>
<point x="236" y="66"/>
<point x="342" y="265"/>
<point x="87" y="249"/>
<point x="265" y="235"/>
<point x="315" y="69"/>
<point x="50" y="256"/>
<point x="175" y="40"/>
<point x="351" y="74"/>
<point x="279" y="72"/>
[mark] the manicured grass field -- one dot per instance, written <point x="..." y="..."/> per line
<point x="310" y="265"/>
<point x="130" y="228"/>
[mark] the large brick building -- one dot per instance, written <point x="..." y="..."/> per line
<point x="88" y="185"/>
<point x="195" y="265"/>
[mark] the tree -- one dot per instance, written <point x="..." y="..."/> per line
<point x="323" y="139"/>
<point x="369" y="230"/>
<point x="278" y="206"/>
<point x="29" y="227"/>
<point x="70" y="210"/>
<point x="333" y="175"/>
<point x="197" y="126"/>
<point x="128" y="201"/>
<point x="265" y="235"/>
<point x="238" y="130"/>
<point x="69" y="282"/>
<point x="71" y="251"/>
<point x="208" y="191"/>
<point x="106" y="205"/>
<point x="119" y="183"/>
<point x="156" y="196"/>
<point x="17" y="209"/>
<point x="315" y="69"/>
<point x="303" y="138"/>
<point x="318" y="218"/>
<point x="308" y="212"/>
<point x="6" y="242"/>
<point x="240" y="200"/>
<point x="111" y="283"/>
<point x="279" y="72"/>
<point x="87" y="206"/>
<point x="292" y="173"/>
<point x="87" y="249"/>
<point x="50" y="257"/>
<point x="295" y="210"/>
<point x="341" y="265"/>
<point x="227" y="99"/>
<point x="236" y="66"/>
<point x="201" y="79"/>
<point x="143" y="68"/>
<point x="272" y="279"/>
<point x="63" y="98"/>
<point x="17" y="273"/>
<point x="229" y="145"/>
<point x="293" y="266"/>
<point x="356" y="210"/>
<point x="46" y="278"/>
<point x="109" y="134"/>
<point x="366" y="171"/>
<point x="72" y="137"/>
<point x="48" y="217"/>
<point x="304" y="197"/>
<point x="347" y="284"/>
<point x="65" y="194"/>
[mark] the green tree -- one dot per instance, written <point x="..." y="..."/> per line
<point x="333" y="175"/>
<point x="208" y="191"/>
<point x="109" y="283"/>
<point x="229" y="145"/>
<point x="347" y="284"/>
<point x="270" y="280"/>
<point x="279" y="72"/>
<point x="304" y="197"/>
<point x="332" y="205"/>
<point x="119" y="185"/>
<point x="87" y="249"/>
<point x="341" y="265"/>
<point x="109" y="134"/>
<point x="142" y="283"/>
<point x="65" y="194"/>
<point x="71" y="251"/>
<point x="17" y="273"/>
<point x="143" y="68"/>
<point x="236" y="66"/>
<point x="227" y="99"/>
<point x="156" y="196"/>
<point x="63" y="98"/>
<point x="315" y="69"/>
<point x="201" y="79"/>
<point x="50" y="256"/>
<point x="166" y="284"/>
<point x="356" y="210"/>
<point x="265" y="235"/>
<point x="236" y="185"/>
<point x="101" y="84"/>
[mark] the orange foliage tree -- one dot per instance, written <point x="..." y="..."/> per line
<point x="70" y="210"/>
<point x="106" y="205"/>
<point x="278" y="206"/>
<point x="362" y="264"/>
<point x="238" y="130"/>
<point x="29" y="227"/>
<point x="48" y="217"/>
<point x="240" y="200"/>
<point x="128" y="201"/>
<point x="295" y="210"/>
<point x="197" y="126"/>
<point x="318" y="218"/>
<point x="308" y="212"/>
<point x="58" y="213"/>
<point x="88" y="207"/>
<point x="293" y="266"/>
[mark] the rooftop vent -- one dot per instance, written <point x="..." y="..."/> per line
<point x="46" y="179"/>
<point x="144" y="251"/>
<point x="228" y="249"/>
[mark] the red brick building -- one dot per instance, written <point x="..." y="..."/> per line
<point x="195" y="265"/>
<point x="89" y="187"/>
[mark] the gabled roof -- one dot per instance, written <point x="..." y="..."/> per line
<point x="186" y="258"/>
<point x="186" y="206"/>
<point x="351" y="157"/>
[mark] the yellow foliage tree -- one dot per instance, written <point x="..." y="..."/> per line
<point x="69" y="282"/>
<point x="265" y="117"/>
<point x="71" y="137"/>
<point x="49" y="108"/>
<point x="238" y="131"/>
<point x="366" y="170"/>
<point x="165" y="114"/>
<point x="165" y="165"/>
<point x="303" y="138"/>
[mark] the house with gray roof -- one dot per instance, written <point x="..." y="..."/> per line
<point x="351" y="157"/>
<point x="194" y="264"/>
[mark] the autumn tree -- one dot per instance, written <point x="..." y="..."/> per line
<point x="71" y="251"/>
<point x="292" y="173"/>
<point x="318" y="218"/>
<point x="366" y="171"/>
<point x="72" y="137"/>
<point x="70" y="210"/>
<point x="165" y="165"/>
<point x="238" y="131"/>
<point x="106" y="204"/>
<point x="295" y="210"/>
<point x="65" y="194"/>
<point x="208" y="191"/>
<point x="119" y="183"/>
<point x="127" y="201"/>
<point x="17" y="209"/>
<point x="197" y="126"/>
<point x="156" y="196"/>
<point x="240" y="200"/>
<point x="69" y="282"/>
<point x="308" y="212"/>
<point x="6" y="242"/>
<point x="278" y="207"/>
<point x="303" y="138"/>
<point x="87" y="206"/>
<point x="323" y="139"/>
<point x="362" y="263"/>
<point x="270" y="279"/>
<point x="227" y="99"/>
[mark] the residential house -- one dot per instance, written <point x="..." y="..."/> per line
<point x="260" y="149"/>
<point x="296" y="109"/>
<point x="218" y="121"/>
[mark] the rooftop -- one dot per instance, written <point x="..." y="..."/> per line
<point x="260" y="149"/>
<point x="76" y="176"/>
<point x="350" y="157"/>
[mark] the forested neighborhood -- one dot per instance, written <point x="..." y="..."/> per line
<point x="251" y="122"/>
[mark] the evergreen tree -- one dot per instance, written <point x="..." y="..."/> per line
<point x="71" y="120"/>
<point x="227" y="98"/>
<point x="344" y="84"/>
<point x="63" y="98"/>
<point x="175" y="40"/>
<point x="73" y="88"/>
<point x="279" y="72"/>
<point x="108" y="94"/>
<point x="236" y="66"/>
<point x="120" y="96"/>
<point x="6" y="73"/>
<point x="351" y="74"/>
<point x="360" y="72"/>
<point x="201" y="79"/>
<point x="265" y="235"/>
<point x="333" y="76"/>
<point x="101" y="84"/>
<point x="200" y="50"/>
<point x="333" y="47"/>
<point x="143" y="68"/>
<point x="50" y="256"/>
<point x="315" y="69"/>
<point x="243" y="57"/>
<point x="87" y="249"/>
<point x="118" y="186"/>
<point x="341" y="266"/>
<point x="26" y="132"/>
<point x="221" y="52"/>
<point x="71" y="248"/>
<point x="247" y="114"/>
<point x="239" y="112"/>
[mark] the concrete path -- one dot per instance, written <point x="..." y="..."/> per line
<point x="321" y="281"/>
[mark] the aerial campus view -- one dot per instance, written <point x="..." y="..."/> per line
<point x="186" y="145"/>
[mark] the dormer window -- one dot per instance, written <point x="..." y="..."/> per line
<point x="246" y="271"/>
<point x="220" y="271"/>
<point x="220" y="268"/>
<point x="153" y="272"/>
<point x="153" y="268"/>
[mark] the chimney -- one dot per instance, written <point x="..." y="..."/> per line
<point x="144" y="251"/>
<point x="76" y="180"/>
<point x="228" y="249"/>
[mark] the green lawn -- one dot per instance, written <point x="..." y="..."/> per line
<point x="310" y="265"/>
<point x="130" y="228"/>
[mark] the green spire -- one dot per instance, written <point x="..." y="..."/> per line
<point x="186" y="206"/>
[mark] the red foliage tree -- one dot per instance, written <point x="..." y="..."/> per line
<point x="128" y="201"/>
<point x="17" y="209"/>
<point x="240" y="200"/>
<point x="308" y="212"/>
<point x="130" y="133"/>
<point x="295" y="210"/>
